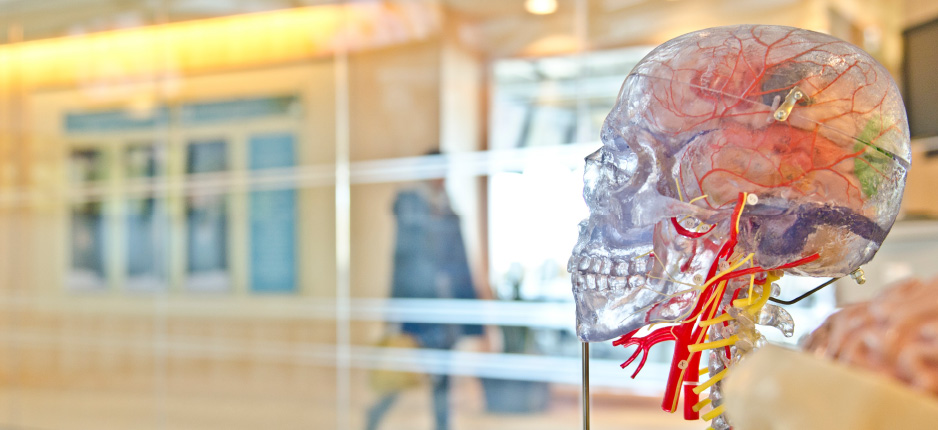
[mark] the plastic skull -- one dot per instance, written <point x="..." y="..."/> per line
<point x="811" y="127"/>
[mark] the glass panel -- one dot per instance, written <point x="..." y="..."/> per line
<point x="269" y="151"/>
<point x="394" y="101"/>
<point x="143" y="161"/>
<point x="234" y="110"/>
<point x="273" y="241"/>
<point x="273" y="218"/>
<point x="88" y="165"/>
<point x="559" y="99"/>
<point x="88" y="226"/>
<point x="88" y="247"/>
<point x="207" y="156"/>
<point x="207" y="238"/>
<point x="130" y="169"/>
<point x="207" y="222"/>
<point x="115" y="120"/>
<point x="527" y="264"/>
<point x="410" y="261"/>
<point x="181" y="147"/>
<point x="146" y="238"/>
<point x="146" y="245"/>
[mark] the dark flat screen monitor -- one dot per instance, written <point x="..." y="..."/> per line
<point x="920" y="78"/>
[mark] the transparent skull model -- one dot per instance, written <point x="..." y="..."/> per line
<point x="733" y="155"/>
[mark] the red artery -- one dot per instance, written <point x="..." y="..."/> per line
<point x="685" y="364"/>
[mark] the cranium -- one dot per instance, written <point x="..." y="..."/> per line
<point x="811" y="128"/>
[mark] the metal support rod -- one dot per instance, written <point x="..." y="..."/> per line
<point x="586" y="385"/>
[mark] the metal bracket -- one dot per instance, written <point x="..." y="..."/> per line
<point x="857" y="276"/>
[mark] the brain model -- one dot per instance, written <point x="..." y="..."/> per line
<point x="895" y="335"/>
<point x="733" y="155"/>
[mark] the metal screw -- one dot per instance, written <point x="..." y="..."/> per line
<point x="858" y="276"/>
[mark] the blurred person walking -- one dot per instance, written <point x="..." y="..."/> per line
<point x="429" y="262"/>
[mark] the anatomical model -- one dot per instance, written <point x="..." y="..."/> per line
<point x="733" y="155"/>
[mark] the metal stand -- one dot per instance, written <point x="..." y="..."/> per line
<point x="585" y="391"/>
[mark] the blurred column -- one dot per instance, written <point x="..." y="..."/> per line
<point x="342" y="225"/>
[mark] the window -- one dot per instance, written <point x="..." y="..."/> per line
<point x="206" y="220"/>
<point x="173" y="199"/>
<point x="272" y="217"/>
<point x="89" y="234"/>
<point x="144" y="220"/>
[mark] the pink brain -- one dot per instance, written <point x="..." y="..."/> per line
<point x="722" y="86"/>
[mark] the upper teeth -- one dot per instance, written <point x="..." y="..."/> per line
<point x="607" y="265"/>
<point x="589" y="272"/>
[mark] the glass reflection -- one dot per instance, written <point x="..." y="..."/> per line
<point x="89" y="230"/>
<point x="207" y="221"/>
<point x="273" y="217"/>
<point x="429" y="262"/>
<point x="197" y="149"/>
<point x="88" y="247"/>
<point x="146" y="245"/>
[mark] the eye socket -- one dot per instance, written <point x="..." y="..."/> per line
<point x="604" y="164"/>
<point x="597" y="155"/>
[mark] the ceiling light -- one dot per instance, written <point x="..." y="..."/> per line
<point x="540" y="7"/>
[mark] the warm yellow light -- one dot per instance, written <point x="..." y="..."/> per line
<point x="211" y="45"/>
<point x="541" y="7"/>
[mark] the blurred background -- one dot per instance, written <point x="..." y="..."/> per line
<point x="204" y="205"/>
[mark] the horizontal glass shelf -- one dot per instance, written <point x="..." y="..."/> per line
<point x="555" y="315"/>
<point x="522" y="367"/>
